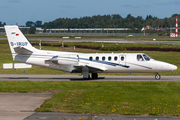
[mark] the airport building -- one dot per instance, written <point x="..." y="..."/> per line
<point x="83" y="31"/>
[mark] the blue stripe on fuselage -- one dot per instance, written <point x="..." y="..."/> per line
<point x="99" y="61"/>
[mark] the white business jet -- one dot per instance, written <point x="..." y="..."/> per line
<point x="23" y="51"/>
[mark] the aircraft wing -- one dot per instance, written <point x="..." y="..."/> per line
<point x="91" y="68"/>
<point x="77" y="68"/>
<point x="22" y="50"/>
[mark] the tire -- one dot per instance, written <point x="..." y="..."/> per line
<point x="94" y="75"/>
<point x="157" y="77"/>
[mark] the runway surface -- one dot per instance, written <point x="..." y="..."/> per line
<point x="130" y="78"/>
<point x="71" y="116"/>
<point x="105" y="40"/>
<point x="18" y="106"/>
<point x="111" y="41"/>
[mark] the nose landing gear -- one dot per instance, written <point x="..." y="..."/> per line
<point x="157" y="76"/>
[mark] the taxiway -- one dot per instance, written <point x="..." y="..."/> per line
<point x="105" y="40"/>
<point x="129" y="78"/>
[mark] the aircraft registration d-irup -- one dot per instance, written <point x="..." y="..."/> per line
<point x="23" y="51"/>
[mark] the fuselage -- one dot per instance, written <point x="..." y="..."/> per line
<point x="104" y="62"/>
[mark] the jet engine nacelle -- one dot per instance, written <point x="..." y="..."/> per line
<point x="66" y="62"/>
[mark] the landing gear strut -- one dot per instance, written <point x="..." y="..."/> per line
<point x="87" y="78"/>
<point x="94" y="75"/>
<point x="157" y="76"/>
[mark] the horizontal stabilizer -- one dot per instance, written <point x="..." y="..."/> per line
<point x="22" y="50"/>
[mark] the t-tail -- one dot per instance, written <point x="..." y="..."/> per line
<point x="18" y="43"/>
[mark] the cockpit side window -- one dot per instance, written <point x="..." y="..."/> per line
<point x="122" y="58"/>
<point x="146" y="57"/>
<point x="139" y="57"/>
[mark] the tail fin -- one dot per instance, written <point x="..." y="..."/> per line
<point x="18" y="43"/>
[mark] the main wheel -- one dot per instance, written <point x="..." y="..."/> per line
<point x="157" y="76"/>
<point x="94" y="75"/>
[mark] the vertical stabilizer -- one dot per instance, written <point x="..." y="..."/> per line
<point x="17" y="40"/>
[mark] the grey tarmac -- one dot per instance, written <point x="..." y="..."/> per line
<point x="105" y="40"/>
<point x="17" y="106"/>
<point x="110" y="41"/>
<point x="71" y="116"/>
<point x="129" y="78"/>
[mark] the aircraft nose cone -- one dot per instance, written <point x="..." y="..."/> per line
<point x="173" y="67"/>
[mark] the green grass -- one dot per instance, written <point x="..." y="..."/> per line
<point x="71" y="44"/>
<point x="124" y="98"/>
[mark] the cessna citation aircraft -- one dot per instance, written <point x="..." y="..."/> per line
<point x="23" y="51"/>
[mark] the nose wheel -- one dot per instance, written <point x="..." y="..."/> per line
<point x="157" y="76"/>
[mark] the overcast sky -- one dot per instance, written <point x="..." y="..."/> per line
<point x="21" y="11"/>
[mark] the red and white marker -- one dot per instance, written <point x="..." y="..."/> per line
<point x="176" y="27"/>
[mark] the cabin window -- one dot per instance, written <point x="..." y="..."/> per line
<point x="146" y="57"/>
<point x="109" y="58"/>
<point x="115" y="58"/>
<point x="97" y="58"/>
<point x="122" y="58"/>
<point x="90" y="58"/>
<point x="139" y="57"/>
<point x="103" y="58"/>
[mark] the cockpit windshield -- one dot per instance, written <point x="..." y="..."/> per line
<point x="146" y="57"/>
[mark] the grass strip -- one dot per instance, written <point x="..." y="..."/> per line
<point x="124" y="98"/>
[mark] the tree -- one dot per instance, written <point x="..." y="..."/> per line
<point x="38" y="23"/>
<point x="147" y="17"/>
<point x="29" y="24"/>
<point x="32" y="30"/>
<point x="128" y="16"/>
<point x="167" y="22"/>
<point x="116" y="16"/>
<point x="174" y="15"/>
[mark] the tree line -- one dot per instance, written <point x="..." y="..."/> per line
<point x="111" y="21"/>
<point x="106" y="21"/>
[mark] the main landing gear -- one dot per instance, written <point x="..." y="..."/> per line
<point x="157" y="76"/>
<point x="93" y="76"/>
